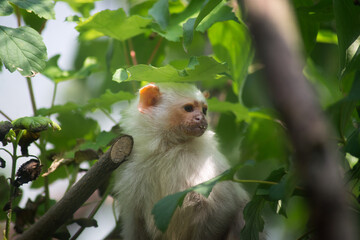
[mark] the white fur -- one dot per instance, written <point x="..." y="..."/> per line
<point x="162" y="163"/>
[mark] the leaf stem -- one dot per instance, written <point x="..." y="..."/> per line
<point x="127" y="60"/>
<point x="155" y="51"/>
<point x="32" y="96"/>
<point x="14" y="157"/>
<point x="108" y="115"/>
<point x="255" y="181"/>
<point x="93" y="212"/>
<point x="6" y="116"/>
<point x="132" y="52"/>
<point x="54" y="94"/>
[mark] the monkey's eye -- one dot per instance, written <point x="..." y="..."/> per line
<point x="188" y="108"/>
<point x="204" y="110"/>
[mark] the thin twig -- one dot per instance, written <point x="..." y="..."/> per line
<point x="132" y="52"/>
<point x="6" y="116"/>
<point x="155" y="51"/>
<point x="92" y="214"/>
<point x="32" y="96"/>
<point x="126" y="54"/>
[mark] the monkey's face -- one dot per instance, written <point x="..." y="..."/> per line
<point x="189" y="118"/>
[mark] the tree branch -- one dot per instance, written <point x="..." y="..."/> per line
<point x="277" y="43"/>
<point x="81" y="191"/>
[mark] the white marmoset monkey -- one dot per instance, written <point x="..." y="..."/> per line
<point x="173" y="150"/>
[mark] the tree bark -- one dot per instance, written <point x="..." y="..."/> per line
<point x="63" y="210"/>
<point x="276" y="39"/>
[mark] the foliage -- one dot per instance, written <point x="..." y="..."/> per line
<point x="205" y="42"/>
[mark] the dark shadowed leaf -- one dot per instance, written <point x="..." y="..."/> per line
<point x="165" y="208"/>
<point x="348" y="30"/>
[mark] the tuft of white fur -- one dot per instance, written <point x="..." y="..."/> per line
<point x="162" y="164"/>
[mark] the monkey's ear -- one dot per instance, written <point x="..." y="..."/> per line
<point x="149" y="96"/>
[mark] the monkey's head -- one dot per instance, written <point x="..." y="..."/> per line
<point x="178" y="109"/>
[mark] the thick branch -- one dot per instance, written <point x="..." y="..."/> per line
<point x="80" y="192"/>
<point x="277" y="45"/>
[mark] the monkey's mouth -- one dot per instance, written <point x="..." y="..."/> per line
<point x="197" y="130"/>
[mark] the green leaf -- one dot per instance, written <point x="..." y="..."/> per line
<point x="347" y="17"/>
<point x="113" y="23"/>
<point x="237" y="109"/>
<point x="164" y="209"/>
<point x="188" y="28"/>
<point x="22" y="49"/>
<point x="207" y="69"/>
<point x="33" y="20"/>
<point x="53" y="71"/>
<point x="174" y="30"/>
<point x="35" y="124"/>
<point x="253" y="219"/>
<point x="192" y="23"/>
<point x="104" y="101"/>
<point x="220" y="13"/>
<point x="283" y="191"/>
<point x="352" y="145"/>
<point x="160" y="12"/>
<point x="82" y="6"/>
<point x="231" y="43"/>
<point x="42" y="8"/>
<point x="308" y="27"/>
<point x="254" y="222"/>
<point x="5" y="8"/>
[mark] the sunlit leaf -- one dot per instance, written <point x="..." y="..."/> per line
<point x="53" y="71"/>
<point x="160" y="12"/>
<point x="22" y="49"/>
<point x="113" y="23"/>
<point x="42" y="8"/>
<point x="174" y="30"/>
<point x="237" y="109"/>
<point x="207" y="69"/>
<point x="231" y="43"/>
<point x="104" y="101"/>
<point x="35" y="124"/>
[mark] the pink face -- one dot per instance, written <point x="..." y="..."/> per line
<point x="189" y="118"/>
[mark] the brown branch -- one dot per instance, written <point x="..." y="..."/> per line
<point x="80" y="192"/>
<point x="132" y="52"/>
<point x="276" y="40"/>
<point x="158" y="44"/>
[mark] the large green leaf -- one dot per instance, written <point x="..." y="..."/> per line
<point x="165" y="208"/>
<point x="160" y="12"/>
<point x="42" y="8"/>
<point x="174" y="30"/>
<point x="5" y="8"/>
<point x="205" y="69"/>
<point x="35" y="124"/>
<point x="22" y="49"/>
<point x="347" y="17"/>
<point x="104" y="101"/>
<point x="237" y="109"/>
<point x="113" y="23"/>
<point x="53" y="71"/>
<point x="231" y="43"/>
